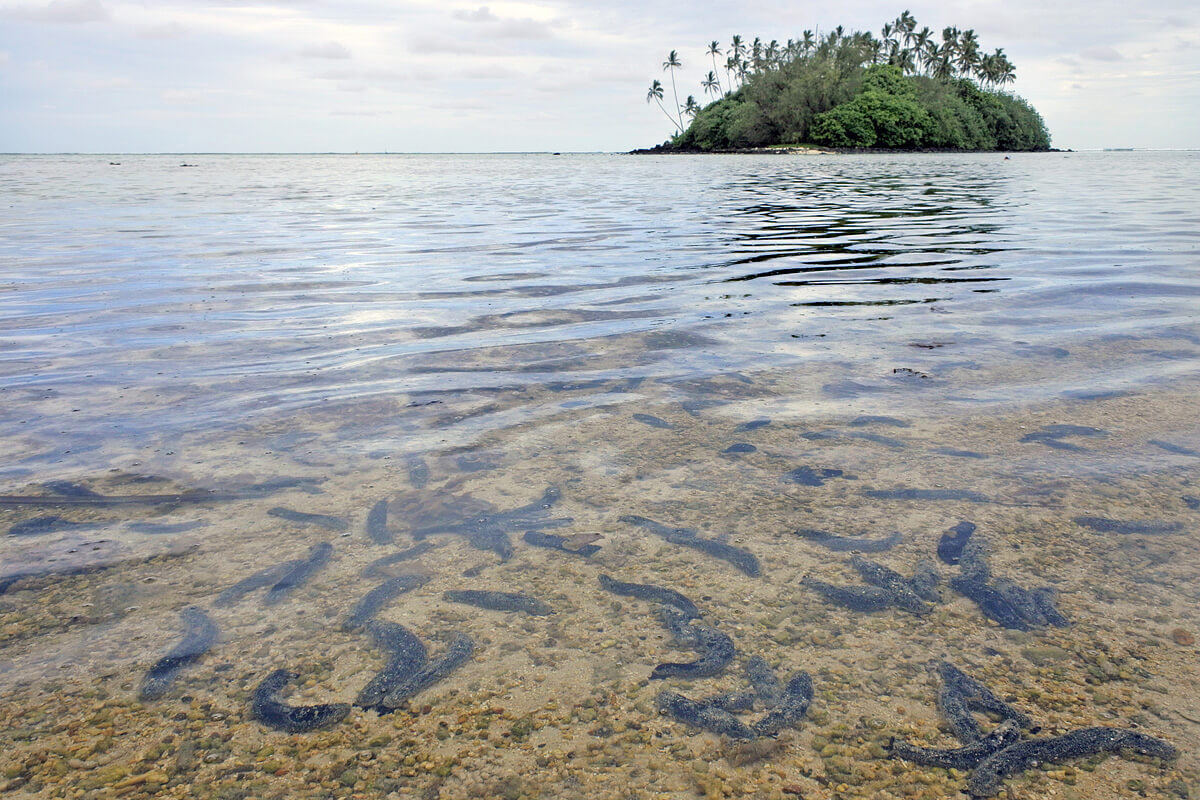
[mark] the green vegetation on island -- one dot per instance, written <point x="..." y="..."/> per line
<point x="907" y="90"/>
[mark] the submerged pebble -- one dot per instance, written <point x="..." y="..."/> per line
<point x="199" y="635"/>
<point x="268" y="708"/>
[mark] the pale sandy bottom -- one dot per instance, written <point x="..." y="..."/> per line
<point x="562" y="706"/>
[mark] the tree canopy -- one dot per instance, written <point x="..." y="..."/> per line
<point x="908" y="89"/>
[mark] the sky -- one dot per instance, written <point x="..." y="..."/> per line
<point x="547" y="75"/>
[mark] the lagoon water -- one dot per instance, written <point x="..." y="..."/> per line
<point x="739" y="346"/>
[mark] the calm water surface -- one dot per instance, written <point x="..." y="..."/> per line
<point x="499" y="349"/>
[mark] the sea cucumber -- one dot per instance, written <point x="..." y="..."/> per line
<point x="377" y="598"/>
<point x="1051" y="435"/>
<point x="264" y="577"/>
<point x="46" y="524"/>
<point x="378" y="567"/>
<point x="767" y="686"/>
<point x="994" y="605"/>
<point x="887" y="441"/>
<point x="950" y="451"/>
<point x="856" y="598"/>
<point x="199" y="635"/>
<point x="974" y="563"/>
<point x="1148" y="526"/>
<point x="927" y="494"/>
<point x="552" y="542"/>
<point x="716" y="648"/>
<point x="985" y="781"/>
<point x="869" y="419"/>
<point x="460" y="650"/>
<point x="318" y="555"/>
<point x="499" y="601"/>
<point x="902" y="594"/>
<point x="702" y="715"/>
<point x="843" y="544"/>
<point x="1022" y="600"/>
<point x="267" y="707"/>
<point x="490" y="531"/>
<point x="797" y="697"/>
<point x="1179" y="450"/>
<point x="69" y="488"/>
<point x="950" y="546"/>
<point x="377" y="529"/>
<point x="742" y="559"/>
<point x="925" y="581"/>
<point x="323" y="520"/>
<point x="1045" y="597"/>
<point x="406" y="656"/>
<point x="807" y="476"/>
<point x="966" y="757"/>
<point x="738" y="448"/>
<point x="158" y="528"/>
<point x="753" y="424"/>
<point x="418" y="472"/>
<point x="647" y="591"/>
<point x="652" y="421"/>
<point x="732" y="701"/>
<point x="961" y="693"/>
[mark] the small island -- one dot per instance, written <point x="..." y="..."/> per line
<point x="908" y="90"/>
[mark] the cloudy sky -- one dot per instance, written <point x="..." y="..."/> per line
<point x="570" y="75"/>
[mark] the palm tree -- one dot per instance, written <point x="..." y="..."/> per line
<point x="656" y="94"/>
<point x="905" y="25"/>
<point x="711" y="84"/>
<point x="672" y="63"/>
<point x="714" y="50"/>
<point x="691" y="107"/>
<point x="921" y="41"/>
<point x="968" y="53"/>
<point x="808" y="42"/>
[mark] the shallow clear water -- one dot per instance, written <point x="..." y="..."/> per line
<point x="456" y="334"/>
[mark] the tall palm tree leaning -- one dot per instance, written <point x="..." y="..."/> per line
<point x="671" y="64"/>
<point x="691" y="107"/>
<point x="656" y="94"/>
<point x="714" y="50"/>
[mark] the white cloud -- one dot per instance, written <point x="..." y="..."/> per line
<point x="65" y="11"/>
<point x="166" y="30"/>
<point x="1102" y="54"/>
<point x="334" y="50"/>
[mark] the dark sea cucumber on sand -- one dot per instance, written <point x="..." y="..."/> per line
<point x="199" y="635"/>
<point x="1046" y="599"/>
<point x="418" y="472"/>
<point x="886" y="441"/>
<point x="732" y="701"/>
<point x="273" y="712"/>
<point x="965" y="757"/>
<point x="499" y="601"/>
<point x="1127" y="527"/>
<point x="716" y="652"/>
<point x="159" y="528"/>
<point x="928" y="494"/>
<point x="744" y="560"/>
<point x="960" y="693"/>
<point x="767" y="686"/>
<point x="490" y="531"/>
<point x="702" y="715"/>
<point x="69" y="489"/>
<point x="797" y="697"/>
<point x="377" y="529"/>
<point x="377" y="598"/>
<point x="950" y="451"/>
<point x="1177" y="449"/>
<point x="318" y="556"/>
<point x="1022" y="600"/>
<point x="752" y="425"/>
<point x="869" y="419"/>
<point x="925" y="581"/>
<point x="842" y="544"/>
<point x="552" y="542"/>
<point x="892" y="582"/>
<point x="459" y="651"/>
<point x="647" y="591"/>
<point x="379" y="566"/>
<point x="986" y="780"/>
<point x="855" y="598"/>
<point x="406" y="656"/>
<point x="323" y="520"/>
<point x="739" y="448"/>
<point x="973" y="561"/>
<point x="950" y="546"/>
<point x="807" y="476"/>
<point x="259" y="580"/>
<point x="652" y="421"/>
<point x="994" y="605"/>
<point x="49" y="523"/>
